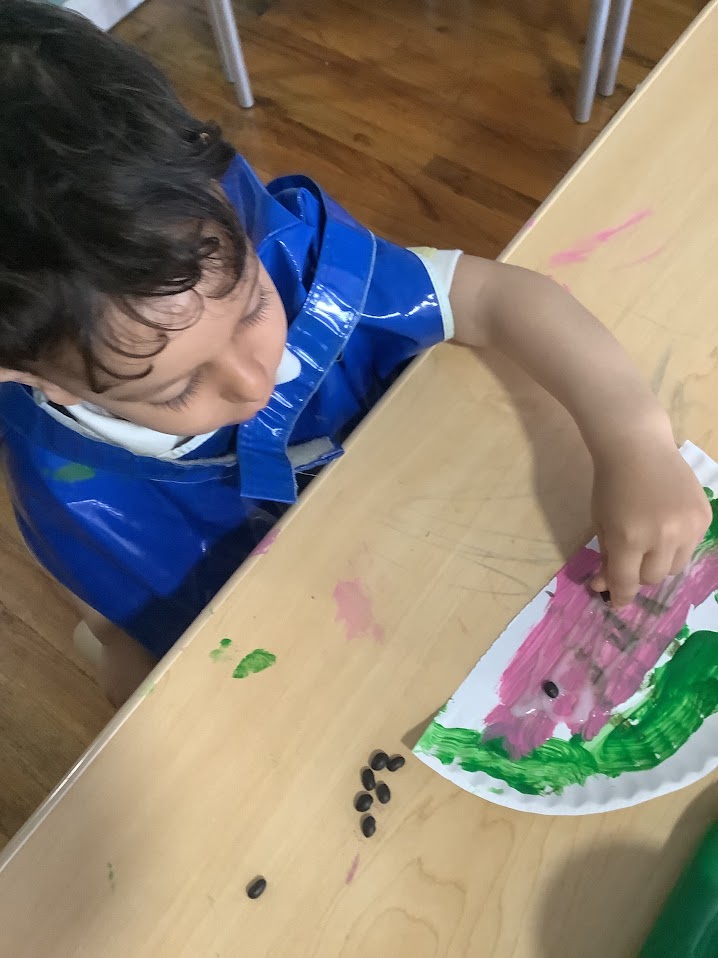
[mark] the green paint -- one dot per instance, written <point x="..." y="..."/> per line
<point x="111" y="875"/>
<point x="256" y="661"/>
<point x="710" y="539"/>
<point x="73" y="472"/>
<point x="683" y="693"/>
<point x="708" y="492"/>
<point x="218" y="653"/>
<point x="148" y="689"/>
<point x="497" y="791"/>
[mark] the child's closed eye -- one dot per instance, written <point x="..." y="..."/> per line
<point x="259" y="313"/>
<point x="253" y="318"/>
<point x="185" y="397"/>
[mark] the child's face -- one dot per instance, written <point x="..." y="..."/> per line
<point x="219" y="370"/>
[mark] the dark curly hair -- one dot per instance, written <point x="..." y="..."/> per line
<point x="108" y="190"/>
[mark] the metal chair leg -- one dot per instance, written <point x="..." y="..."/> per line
<point x="613" y="50"/>
<point x="224" y="27"/>
<point x="592" y="58"/>
<point x="220" y="41"/>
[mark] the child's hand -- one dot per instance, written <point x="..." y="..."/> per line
<point x="650" y="512"/>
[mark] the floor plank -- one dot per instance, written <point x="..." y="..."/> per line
<point x="438" y="124"/>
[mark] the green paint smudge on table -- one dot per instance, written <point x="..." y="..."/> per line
<point x="683" y="693"/>
<point x="73" y="472"/>
<point x="256" y="661"/>
<point x="218" y="653"/>
<point x="111" y="875"/>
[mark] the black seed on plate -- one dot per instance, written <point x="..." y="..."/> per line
<point x="606" y="596"/>
<point x="378" y="761"/>
<point x="367" y="779"/>
<point x="368" y="826"/>
<point x="395" y="763"/>
<point x="256" y="888"/>
<point x="382" y="792"/>
<point x="551" y="689"/>
<point x="363" y="802"/>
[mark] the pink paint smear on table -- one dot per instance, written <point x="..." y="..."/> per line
<point x="354" y="610"/>
<point x="352" y="871"/>
<point x="595" y="655"/>
<point x="266" y="544"/>
<point x="586" y="247"/>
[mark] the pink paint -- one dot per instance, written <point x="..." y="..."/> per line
<point x="596" y="656"/>
<point x="352" y="871"/>
<point x="266" y="544"/>
<point x="586" y="247"/>
<point x="354" y="610"/>
<point x="646" y="258"/>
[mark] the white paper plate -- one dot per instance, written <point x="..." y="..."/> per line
<point x="477" y="696"/>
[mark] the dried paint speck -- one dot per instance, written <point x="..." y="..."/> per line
<point x="111" y="875"/>
<point x="73" y="472"/>
<point x="218" y="653"/>
<point x="354" y="611"/>
<point x="266" y="544"/>
<point x="256" y="661"/>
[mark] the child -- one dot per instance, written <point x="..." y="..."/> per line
<point x="181" y="348"/>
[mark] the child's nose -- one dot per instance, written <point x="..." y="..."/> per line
<point x="242" y="379"/>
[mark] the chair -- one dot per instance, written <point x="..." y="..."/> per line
<point x="608" y="22"/>
<point x="106" y="13"/>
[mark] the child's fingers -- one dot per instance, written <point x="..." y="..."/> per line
<point x="623" y="575"/>
<point x="656" y="566"/>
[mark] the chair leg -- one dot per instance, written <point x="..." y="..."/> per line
<point x="224" y="27"/>
<point x="592" y="58"/>
<point x="615" y="39"/>
<point x="220" y="41"/>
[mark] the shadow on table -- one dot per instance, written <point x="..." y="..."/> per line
<point x="626" y="884"/>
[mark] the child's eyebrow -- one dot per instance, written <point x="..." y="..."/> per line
<point x="154" y="389"/>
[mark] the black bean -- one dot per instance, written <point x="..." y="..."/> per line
<point x="368" y="825"/>
<point x="551" y="689"/>
<point x="363" y="802"/>
<point x="378" y="761"/>
<point x="382" y="792"/>
<point x="606" y="596"/>
<point x="256" y="888"/>
<point x="395" y="763"/>
<point x="367" y="779"/>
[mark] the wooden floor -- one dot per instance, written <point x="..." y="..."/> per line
<point x="435" y="123"/>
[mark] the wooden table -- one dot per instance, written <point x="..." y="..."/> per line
<point x="445" y="516"/>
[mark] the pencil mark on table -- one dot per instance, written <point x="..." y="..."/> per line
<point x="352" y="870"/>
<point x="659" y="372"/>
<point x="646" y="258"/>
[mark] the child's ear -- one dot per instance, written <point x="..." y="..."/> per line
<point x="54" y="393"/>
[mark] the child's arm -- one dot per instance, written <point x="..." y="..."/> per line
<point x="650" y="511"/>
